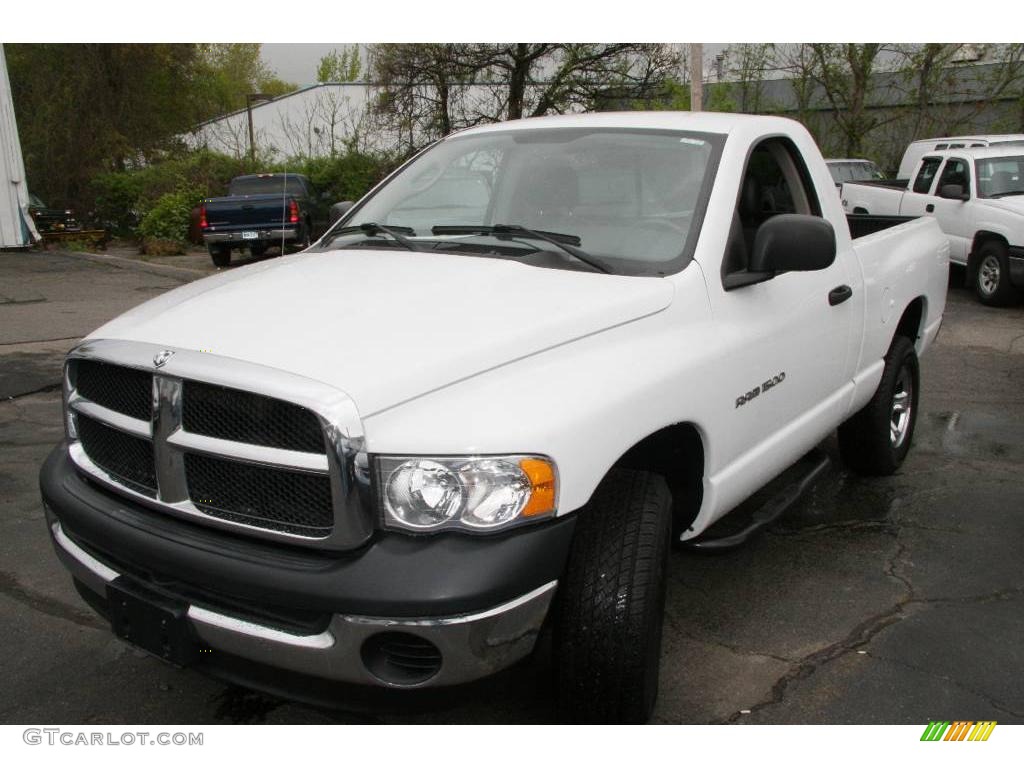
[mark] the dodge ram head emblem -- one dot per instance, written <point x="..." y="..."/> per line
<point x="162" y="357"/>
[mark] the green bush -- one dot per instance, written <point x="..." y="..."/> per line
<point x="142" y="201"/>
<point x="123" y="198"/>
<point x="168" y="219"/>
<point x="348" y="176"/>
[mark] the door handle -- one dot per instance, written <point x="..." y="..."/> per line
<point x="839" y="294"/>
<point x="930" y="208"/>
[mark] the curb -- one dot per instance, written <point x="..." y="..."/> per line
<point x="183" y="274"/>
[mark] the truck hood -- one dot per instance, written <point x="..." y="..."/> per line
<point x="387" y="326"/>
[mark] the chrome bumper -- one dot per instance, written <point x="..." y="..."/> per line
<point x="472" y="646"/>
<point x="265" y="236"/>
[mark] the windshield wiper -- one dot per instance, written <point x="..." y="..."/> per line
<point x="568" y="243"/>
<point x="1007" y="194"/>
<point x="371" y="228"/>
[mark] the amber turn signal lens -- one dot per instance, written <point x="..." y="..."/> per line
<point x="542" y="479"/>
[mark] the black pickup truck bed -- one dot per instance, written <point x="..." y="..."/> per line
<point x="862" y="224"/>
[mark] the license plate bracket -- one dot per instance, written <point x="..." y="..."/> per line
<point x="152" y="622"/>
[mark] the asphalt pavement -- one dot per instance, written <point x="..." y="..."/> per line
<point x="893" y="600"/>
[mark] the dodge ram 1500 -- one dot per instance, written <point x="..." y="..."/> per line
<point x="485" y="404"/>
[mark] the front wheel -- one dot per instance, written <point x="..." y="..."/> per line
<point x="992" y="276"/>
<point x="608" y="618"/>
<point x="876" y="439"/>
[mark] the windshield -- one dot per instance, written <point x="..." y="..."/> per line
<point x="1000" y="176"/>
<point x="634" y="199"/>
<point x="267" y="185"/>
<point x="855" y="171"/>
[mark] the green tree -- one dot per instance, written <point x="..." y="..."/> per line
<point x="845" y="74"/>
<point x="746" y="67"/>
<point x="342" y="65"/>
<point x="227" y="73"/>
<point x="84" y="108"/>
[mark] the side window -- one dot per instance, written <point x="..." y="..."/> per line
<point x="955" y="172"/>
<point x="941" y="146"/>
<point x="775" y="181"/>
<point x="923" y="182"/>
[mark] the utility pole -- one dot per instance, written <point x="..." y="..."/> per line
<point x="249" y="99"/>
<point x="696" y="77"/>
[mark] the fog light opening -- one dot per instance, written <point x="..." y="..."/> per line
<point x="400" y="659"/>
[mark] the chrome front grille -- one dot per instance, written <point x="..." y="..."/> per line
<point x="125" y="390"/>
<point x="125" y="457"/>
<point x="284" y="462"/>
<point x="232" y="414"/>
<point x="275" y="499"/>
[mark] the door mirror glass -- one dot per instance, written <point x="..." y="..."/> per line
<point x="339" y="209"/>
<point x="793" y="242"/>
<point x="953" y="192"/>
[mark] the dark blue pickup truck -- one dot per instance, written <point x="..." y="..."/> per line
<point x="260" y="211"/>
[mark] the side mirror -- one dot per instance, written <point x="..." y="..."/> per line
<point x="338" y="210"/>
<point x="793" y="242"/>
<point x="953" y="192"/>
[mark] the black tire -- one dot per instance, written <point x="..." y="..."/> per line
<point x="608" y="618"/>
<point x="992" y="275"/>
<point x="304" y="241"/>
<point x="220" y="254"/>
<point x="876" y="439"/>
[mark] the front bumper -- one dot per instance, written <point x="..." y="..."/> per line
<point x="479" y="601"/>
<point x="471" y="645"/>
<point x="268" y="236"/>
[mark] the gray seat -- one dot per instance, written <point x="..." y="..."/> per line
<point x="1001" y="181"/>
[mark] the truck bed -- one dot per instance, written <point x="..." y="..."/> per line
<point x="862" y="224"/>
<point x="247" y="211"/>
<point x="890" y="183"/>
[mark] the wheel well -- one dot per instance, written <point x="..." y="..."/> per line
<point x="910" y="324"/>
<point x="980" y="238"/>
<point x="676" y="453"/>
<point x="983" y="237"/>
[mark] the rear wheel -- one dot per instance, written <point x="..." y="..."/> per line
<point x="992" y="275"/>
<point x="876" y="439"/>
<point x="608" y="619"/>
<point x="304" y="241"/>
<point x="220" y="254"/>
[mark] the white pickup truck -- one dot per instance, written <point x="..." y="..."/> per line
<point x="977" y="196"/>
<point x="484" y="405"/>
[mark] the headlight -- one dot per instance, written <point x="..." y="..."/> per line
<point x="472" y="493"/>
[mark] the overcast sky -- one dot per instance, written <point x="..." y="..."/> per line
<point x="296" y="62"/>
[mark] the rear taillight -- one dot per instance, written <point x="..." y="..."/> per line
<point x="203" y="224"/>
<point x="293" y="212"/>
